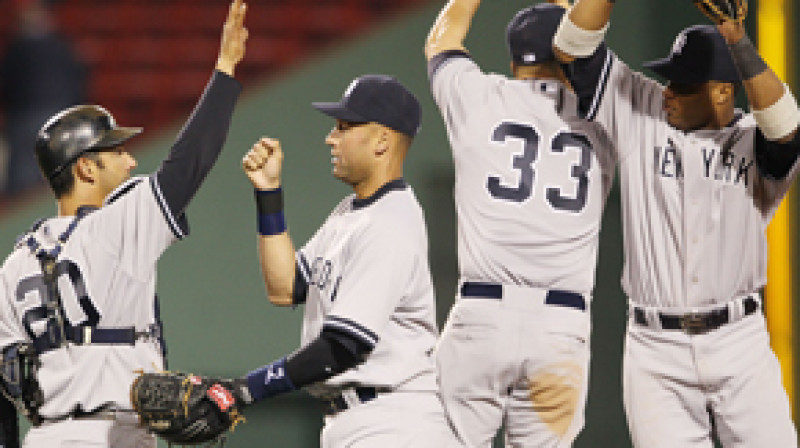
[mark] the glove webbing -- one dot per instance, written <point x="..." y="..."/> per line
<point x="737" y="15"/>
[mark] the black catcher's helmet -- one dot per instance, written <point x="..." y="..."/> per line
<point x="74" y="131"/>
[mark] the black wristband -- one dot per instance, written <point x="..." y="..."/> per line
<point x="746" y="58"/>
<point x="269" y="201"/>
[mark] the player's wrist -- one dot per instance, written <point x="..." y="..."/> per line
<point x="269" y="380"/>
<point x="269" y="207"/>
<point x="746" y="58"/>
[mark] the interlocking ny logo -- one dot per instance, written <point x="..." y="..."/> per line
<point x="274" y="373"/>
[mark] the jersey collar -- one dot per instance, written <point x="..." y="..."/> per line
<point x="397" y="184"/>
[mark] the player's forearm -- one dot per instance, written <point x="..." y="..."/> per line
<point x="582" y="29"/>
<point x="323" y="358"/>
<point x="199" y="143"/>
<point x="451" y="27"/>
<point x="768" y="96"/>
<point x="591" y="15"/>
<point x="276" y="255"/>
<point x="772" y="103"/>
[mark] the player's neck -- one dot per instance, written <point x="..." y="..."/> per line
<point x="720" y="119"/>
<point x="539" y="71"/>
<point x="68" y="205"/>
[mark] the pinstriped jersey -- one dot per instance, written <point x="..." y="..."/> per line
<point x="107" y="268"/>
<point x="531" y="178"/>
<point x="367" y="275"/>
<point x="695" y="204"/>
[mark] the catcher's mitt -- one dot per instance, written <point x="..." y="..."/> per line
<point x="723" y="10"/>
<point x="186" y="409"/>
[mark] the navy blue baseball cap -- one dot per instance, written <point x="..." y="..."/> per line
<point x="529" y="34"/>
<point x="380" y="99"/>
<point x="699" y="54"/>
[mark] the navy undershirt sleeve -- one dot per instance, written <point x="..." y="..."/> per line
<point x="775" y="160"/>
<point x="199" y="143"/>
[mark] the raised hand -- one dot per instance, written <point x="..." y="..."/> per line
<point x="262" y="164"/>
<point x="234" y="35"/>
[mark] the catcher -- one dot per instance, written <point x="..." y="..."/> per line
<point x="700" y="182"/>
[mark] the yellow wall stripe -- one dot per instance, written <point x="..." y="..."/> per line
<point x="772" y="39"/>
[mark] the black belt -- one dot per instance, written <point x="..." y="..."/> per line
<point x="83" y="335"/>
<point x="104" y="412"/>
<point x="479" y="290"/>
<point x="695" y="323"/>
<point x="362" y="393"/>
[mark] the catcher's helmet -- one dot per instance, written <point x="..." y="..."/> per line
<point x="74" y="131"/>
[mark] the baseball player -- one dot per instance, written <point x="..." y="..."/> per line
<point x="530" y="184"/>
<point x="78" y="291"/>
<point x="700" y="181"/>
<point x="369" y="324"/>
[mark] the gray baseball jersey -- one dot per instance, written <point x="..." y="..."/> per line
<point x="531" y="178"/>
<point x="106" y="267"/>
<point x="695" y="207"/>
<point x="368" y="276"/>
<point x="695" y="204"/>
<point x="105" y="279"/>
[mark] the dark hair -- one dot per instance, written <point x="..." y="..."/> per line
<point x="64" y="182"/>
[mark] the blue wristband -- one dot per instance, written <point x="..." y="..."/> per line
<point x="269" y="380"/>
<point x="269" y="205"/>
<point x="271" y="224"/>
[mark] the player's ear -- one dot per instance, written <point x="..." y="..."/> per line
<point x="384" y="141"/>
<point x="85" y="169"/>
<point x="722" y="92"/>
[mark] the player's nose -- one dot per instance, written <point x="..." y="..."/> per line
<point x="331" y="138"/>
<point x="131" y="161"/>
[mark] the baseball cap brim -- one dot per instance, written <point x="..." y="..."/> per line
<point x="671" y="71"/>
<point x="116" y="137"/>
<point x="337" y="110"/>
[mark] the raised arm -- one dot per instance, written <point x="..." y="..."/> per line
<point x="451" y="27"/>
<point x="773" y="105"/>
<point x="582" y="29"/>
<point x="276" y="254"/>
<point x="200" y="141"/>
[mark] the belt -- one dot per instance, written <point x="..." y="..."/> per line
<point x="104" y="412"/>
<point x="481" y="290"/>
<point x="354" y="396"/>
<point x="696" y="322"/>
<point x="84" y="335"/>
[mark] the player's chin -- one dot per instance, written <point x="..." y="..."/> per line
<point x="675" y="121"/>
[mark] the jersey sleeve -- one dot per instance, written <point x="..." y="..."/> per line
<point x="372" y="283"/>
<point x="610" y="93"/>
<point x="458" y="85"/>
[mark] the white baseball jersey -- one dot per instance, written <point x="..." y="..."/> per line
<point x="695" y="207"/>
<point x="107" y="268"/>
<point x="368" y="276"/>
<point x="695" y="204"/>
<point x="531" y="178"/>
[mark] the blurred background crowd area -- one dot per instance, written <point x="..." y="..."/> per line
<point x="144" y="60"/>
